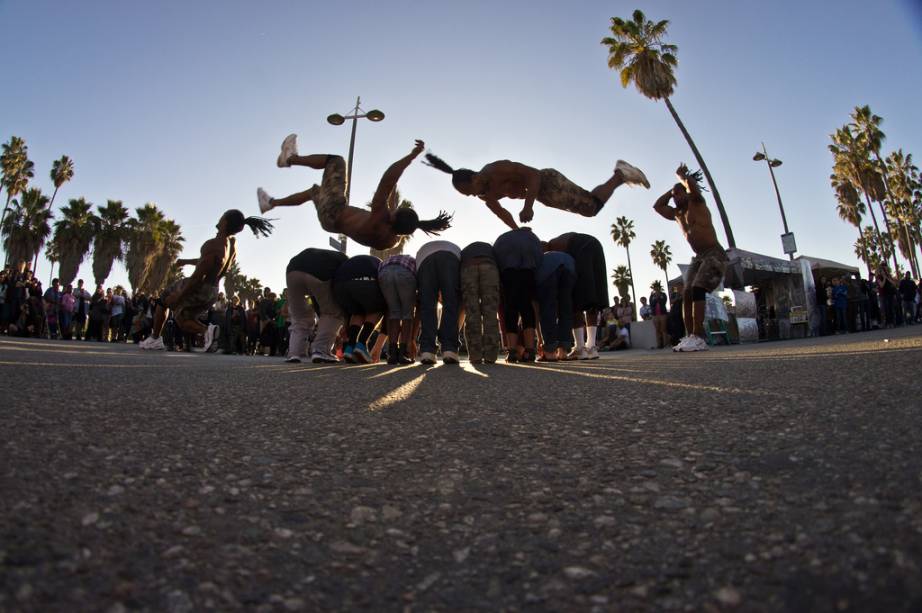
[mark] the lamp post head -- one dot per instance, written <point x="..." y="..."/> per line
<point x="775" y="163"/>
<point x="336" y="119"/>
<point x="374" y="115"/>
<point x="758" y="157"/>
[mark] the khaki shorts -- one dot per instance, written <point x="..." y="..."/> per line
<point x="195" y="304"/>
<point x="330" y="200"/>
<point x="707" y="269"/>
<point x="559" y="192"/>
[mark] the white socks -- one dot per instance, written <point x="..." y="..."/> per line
<point x="590" y="337"/>
<point x="580" y="338"/>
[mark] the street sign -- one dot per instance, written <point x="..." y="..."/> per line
<point x="338" y="245"/>
<point x="788" y="243"/>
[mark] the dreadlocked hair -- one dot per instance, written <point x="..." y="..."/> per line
<point x="459" y="177"/>
<point x="236" y="221"/>
<point x="698" y="178"/>
<point x="406" y="221"/>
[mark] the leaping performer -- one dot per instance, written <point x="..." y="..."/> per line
<point x="379" y="228"/>
<point x="710" y="262"/>
<point x="191" y="297"/>
<point x="505" y="179"/>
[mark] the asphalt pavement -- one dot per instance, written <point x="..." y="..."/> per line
<point x="773" y="477"/>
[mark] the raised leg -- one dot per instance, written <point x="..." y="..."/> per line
<point x="296" y="199"/>
<point x="604" y="191"/>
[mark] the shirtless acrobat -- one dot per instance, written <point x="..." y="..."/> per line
<point x="379" y="228"/>
<point x="191" y="297"/>
<point x="710" y="262"/>
<point x="505" y="179"/>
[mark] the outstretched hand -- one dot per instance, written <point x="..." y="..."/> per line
<point x="682" y="171"/>
<point x="418" y="148"/>
<point x="526" y="215"/>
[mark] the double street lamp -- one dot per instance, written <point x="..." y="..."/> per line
<point x="787" y="239"/>
<point x="337" y="120"/>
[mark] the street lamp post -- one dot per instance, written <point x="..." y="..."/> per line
<point x="787" y="239"/>
<point x="337" y="120"/>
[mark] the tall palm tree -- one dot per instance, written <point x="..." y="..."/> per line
<point x="662" y="256"/>
<point x="16" y="168"/>
<point x="250" y="290"/>
<point x="637" y="50"/>
<point x="904" y="185"/>
<point x="111" y="233"/>
<point x="867" y="126"/>
<point x="621" y="277"/>
<point x="233" y="280"/>
<point x="850" y="209"/>
<point x="164" y="261"/>
<point x="73" y="234"/>
<point x="866" y="249"/>
<point x="28" y="225"/>
<point x="394" y="201"/>
<point x="622" y="232"/>
<point x="143" y="242"/>
<point x="62" y="171"/>
<point x="851" y="162"/>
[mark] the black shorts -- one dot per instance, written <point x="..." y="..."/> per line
<point x="359" y="297"/>
<point x="591" y="288"/>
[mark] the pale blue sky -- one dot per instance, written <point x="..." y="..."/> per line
<point x="184" y="104"/>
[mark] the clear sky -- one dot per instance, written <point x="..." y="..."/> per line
<point x="184" y="104"/>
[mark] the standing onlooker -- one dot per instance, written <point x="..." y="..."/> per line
<point x="66" y="312"/>
<point x="99" y="314"/>
<point x="659" y="310"/>
<point x="235" y="318"/>
<point x="645" y="312"/>
<point x="908" y="291"/>
<point x="397" y="278"/>
<point x="81" y="311"/>
<point x="518" y="255"/>
<point x="626" y="313"/>
<point x="116" y="314"/>
<point x="888" y="292"/>
<point x="52" y="299"/>
<point x="840" y="303"/>
<point x="438" y="273"/>
<point x="480" y="291"/>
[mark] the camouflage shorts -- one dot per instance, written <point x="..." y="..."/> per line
<point x="707" y="269"/>
<point x="194" y="304"/>
<point x="330" y="199"/>
<point x="559" y="192"/>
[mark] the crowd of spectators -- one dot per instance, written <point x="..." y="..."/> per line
<point x="846" y="305"/>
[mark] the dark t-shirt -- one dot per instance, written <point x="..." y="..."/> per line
<point x="319" y="263"/>
<point x="518" y="249"/>
<point x="479" y="249"/>
<point x="358" y="267"/>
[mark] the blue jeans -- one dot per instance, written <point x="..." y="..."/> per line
<point x="439" y="273"/>
<point x="841" y="319"/>
<point x="555" y="300"/>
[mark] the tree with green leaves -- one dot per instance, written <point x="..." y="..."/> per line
<point x="250" y="290"/>
<point x="143" y="244"/>
<point x="662" y="257"/>
<point x="109" y="238"/>
<point x="27" y="226"/>
<point x="904" y="196"/>
<point x="73" y="235"/>
<point x="622" y="232"/>
<point x="851" y="210"/>
<point x="621" y="277"/>
<point x="163" y="265"/>
<point x="233" y="279"/>
<point x="17" y="169"/>
<point x="62" y="171"/>
<point x="636" y="48"/>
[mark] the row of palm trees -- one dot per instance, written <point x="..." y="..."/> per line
<point x="861" y="177"/>
<point x="622" y="233"/>
<point x="149" y="243"/>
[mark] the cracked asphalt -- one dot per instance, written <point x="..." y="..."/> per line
<point x="774" y="477"/>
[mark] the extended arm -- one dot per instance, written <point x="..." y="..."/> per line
<point x="502" y="213"/>
<point x="532" y="187"/>
<point x="203" y="268"/>
<point x="390" y="177"/>
<point x="691" y="185"/>
<point x="187" y="261"/>
<point x="662" y="206"/>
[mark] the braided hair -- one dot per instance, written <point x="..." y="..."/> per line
<point x="236" y="221"/>
<point x="461" y="177"/>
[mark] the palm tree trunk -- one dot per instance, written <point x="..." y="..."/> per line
<point x="666" y="288"/>
<point x="6" y="256"/>
<point x="731" y="242"/>
<point x="631" y="270"/>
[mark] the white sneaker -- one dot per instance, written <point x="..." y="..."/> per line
<point x="578" y="354"/>
<point x="153" y="344"/>
<point x="289" y="148"/>
<point x="593" y="353"/>
<point x="450" y="357"/>
<point x="319" y="357"/>
<point x="264" y="205"/>
<point x="211" y="337"/>
<point x="683" y="342"/>
<point x="631" y="174"/>
<point x="694" y="343"/>
<point x="427" y="358"/>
